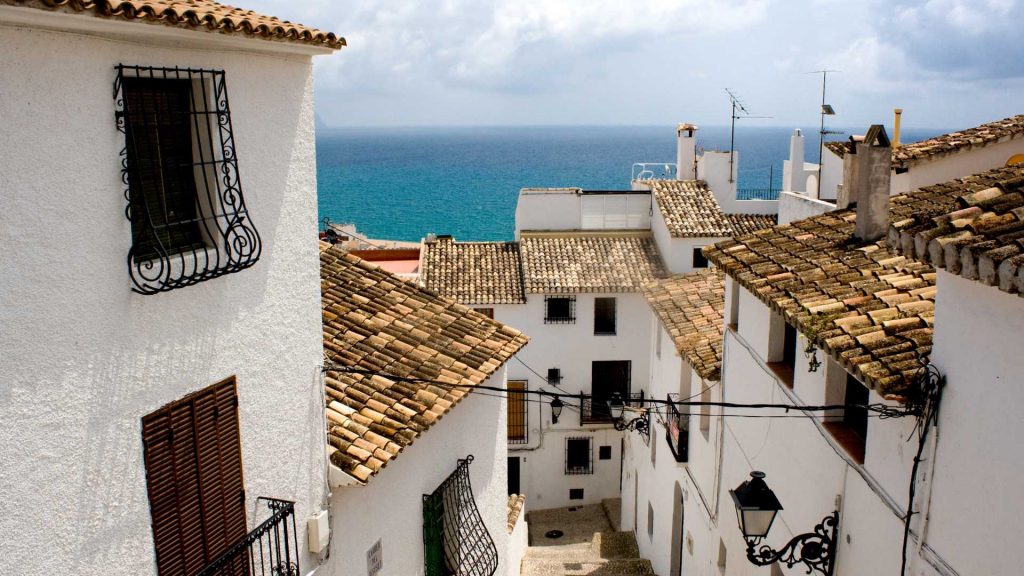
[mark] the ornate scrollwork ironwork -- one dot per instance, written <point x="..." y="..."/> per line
<point x="455" y="539"/>
<point x="212" y="233"/>
<point x="815" y="550"/>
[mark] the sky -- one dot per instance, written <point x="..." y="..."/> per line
<point x="947" y="63"/>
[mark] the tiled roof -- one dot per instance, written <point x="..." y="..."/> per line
<point x="691" y="211"/>
<point x="690" y="308"/>
<point x="749" y="223"/>
<point x="375" y="321"/>
<point x="193" y="14"/>
<point x="909" y="154"/>
<point x="980" y="237"/>
<point x="515" y="507"/>
<point x="867" y="306"/>
<point x="577" y="262"/>
<point x="474" y="272"/>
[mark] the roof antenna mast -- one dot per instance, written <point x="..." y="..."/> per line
<point x="737" y="106"/>
<point x="826" y="110"/>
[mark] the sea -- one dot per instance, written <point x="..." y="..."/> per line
<point x="403" y="183"/>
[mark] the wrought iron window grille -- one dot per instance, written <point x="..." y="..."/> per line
<point x="579" y="456"/>
<point x="559" y="309"/>
<point x="271" y="548"/>
<point x="188" y="216"/>
<point x="455" y="540"/>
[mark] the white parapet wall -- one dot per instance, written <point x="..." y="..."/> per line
<point x="796" y="206"/>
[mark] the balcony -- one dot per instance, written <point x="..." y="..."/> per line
<point x="271" y="548"/>
<point x="677" y="431"/>
<point x="592" y="412"/>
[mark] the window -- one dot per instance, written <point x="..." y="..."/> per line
<point x="657" y="338"/>
<point x="604" y="316"/>
<point x="608" y="377"/>
<point x="604" y="453"/>
<point x="699" y="260"/>
<point x="554" y="376"/>
<point x="723" y="555"/>
<point x="705" y="410"/>
<point x="654" y="446"/>
<point x="650" y="521"/>
<point x="782" y="359"/>
<point x="489" y="312"/>
<point x="193" y="458"/>
<point x="579" y="458"/>
<point x="849" y="427"/>
<point x="518" y="429"/>
<point x="559" y="309"/>
<point x="575" y="493"/>
<point x="188" y="217"/>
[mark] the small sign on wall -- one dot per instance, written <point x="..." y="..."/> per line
<point x="374" y="559"/>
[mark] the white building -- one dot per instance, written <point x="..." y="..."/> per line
<point x="417" y="456"/>
<point x="932" y="161"/>
<point x="573" y="280"/>
<point x="160" y="371"/>
<point x="824" y="311"/>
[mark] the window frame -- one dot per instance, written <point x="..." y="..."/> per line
<point x="570" y="311"/>
<point x="574" y="469"/>
<point x="605" y="322"/>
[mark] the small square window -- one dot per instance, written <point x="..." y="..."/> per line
<point x="604" y="316"/>
<point x="559" y="309"/>
<point x="650" y="521"/>
<point x="604" y="453"/>
<point x="575" y="493"/>
<point x="579" y="456"/>
<point x="554" y="376"/>
<point x="489" y="312"/>
<point x="699" y="259"/>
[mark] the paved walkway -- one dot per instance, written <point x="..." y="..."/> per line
<point x="581" y="541"/>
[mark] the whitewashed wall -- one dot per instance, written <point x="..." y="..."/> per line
<point x="794" y="206"/>
<point x="84" y="358"/>
<point x="572" y="348"/>
<point x="975" y="503"/>
<point x="946" y="168"/>
<point x="390" y="507"/>
<point x="573" y="209"/>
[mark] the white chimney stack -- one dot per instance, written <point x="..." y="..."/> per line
<point x="686" y="152"/>
<point x="796" y="179"/>
<point x="867" y="171"/>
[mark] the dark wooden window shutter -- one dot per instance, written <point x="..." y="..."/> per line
<point x="194" y="477"/>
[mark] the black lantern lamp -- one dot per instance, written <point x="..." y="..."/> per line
<point x="811" y="353"/>
<point x="756" y="508"/>
<point x="556" y="409"/>
<point x="617" y="409"/>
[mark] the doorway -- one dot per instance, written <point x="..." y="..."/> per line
<point x="608" y="377"/>
<point x="513" y="475"/>
<point x="678" y="533"/>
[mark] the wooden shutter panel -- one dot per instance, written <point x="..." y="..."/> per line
<point x="194" y="476"/>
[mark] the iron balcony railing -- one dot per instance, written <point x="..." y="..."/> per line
<point x="677" y="431"/>
<point x="272" y="548"/>
<point x="653" y="171"/>
<point x="592" y="412"/>
<point x="757" y="194"/>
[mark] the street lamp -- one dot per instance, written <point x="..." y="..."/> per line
<point x="756" y="508"/>
<point x="556" y="409"/>
<point x="616" y="409"/>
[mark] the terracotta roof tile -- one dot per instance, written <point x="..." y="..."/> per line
<point x="909" y="154"/>
<point x="690" y="307"/>
<point x="375" y="321"/>
<point x="474" y="272"/>
<point x="690" y="210"/>
<point x="979" y="236"/>
<point x="869" y="307"/>
<point x="577" y="262"/>
<point x="515" y="507"/>
<point x="193" y="14"/>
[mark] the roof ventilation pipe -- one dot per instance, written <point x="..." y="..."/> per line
<point x="867" y="169"/>
<point x="686" y="152"/>
<point x="897" y="114"/>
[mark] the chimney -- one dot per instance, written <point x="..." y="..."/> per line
<point x="867" y="169"/>
<point x="897" y="116"/>
<point x="686" y="152"/>
<point x="796" y="180"/>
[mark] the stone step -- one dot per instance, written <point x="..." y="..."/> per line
<point x="614" y="545"/>
<point x="613" y="509"/>
<point x="553" y="567"/>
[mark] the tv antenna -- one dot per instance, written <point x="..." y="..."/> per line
<point x="737" y="107"/>
<point x="826" y="110"/>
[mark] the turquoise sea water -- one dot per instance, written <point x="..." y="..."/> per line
<point x="403" y="183"/>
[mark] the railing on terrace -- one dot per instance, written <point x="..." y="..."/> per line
<point x="597" y="413"/>
<point x="757" y="194"/>
<point x="677" y="431"/>
<point x="272" y="548"/>
<point x="653" y="171"/>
